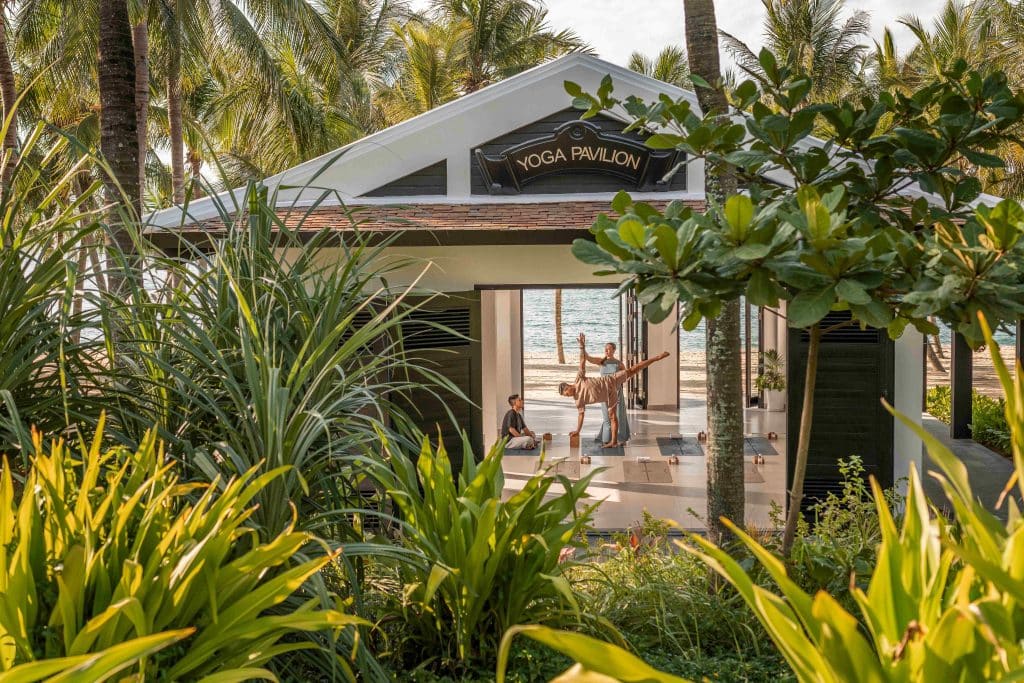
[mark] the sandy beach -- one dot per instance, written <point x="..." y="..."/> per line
<point x="542" y="373"/>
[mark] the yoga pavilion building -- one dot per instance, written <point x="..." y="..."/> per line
<point x="490" y="190"/>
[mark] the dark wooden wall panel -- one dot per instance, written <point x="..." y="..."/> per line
<point x="855" y="371"/>
<point x="432" y="180"/>
<point x="456" y="358"/>
<point x="561" y="184"/>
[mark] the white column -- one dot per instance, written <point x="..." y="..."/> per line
<point x="909" y="383"/>
<point x="694" y="175"/>
<point x="488" y="344"/>
<point x="458" y="174"/>
<point x="663" y="378"/>
<point x="501" y="348"/>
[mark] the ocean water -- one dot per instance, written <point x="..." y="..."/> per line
<point x="595" y="312"/>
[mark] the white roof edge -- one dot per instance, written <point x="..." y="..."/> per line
<point x="205" y="208"/>
<point x="200" y="209"/>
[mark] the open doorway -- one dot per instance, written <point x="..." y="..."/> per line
<point x="661" y="468"/>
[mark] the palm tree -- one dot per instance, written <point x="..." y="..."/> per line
<point x="963" y="30"/>
<point x="430" y="69"/>
<point x="725" y="487"/>
<point x="810" y="36"/>
<point x="669" y="65"/>
<point x="503" y="37"/>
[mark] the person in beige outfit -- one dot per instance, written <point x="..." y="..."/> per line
<point x="604" y="389"/>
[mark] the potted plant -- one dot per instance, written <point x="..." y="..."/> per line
<point x="772" y="380"/>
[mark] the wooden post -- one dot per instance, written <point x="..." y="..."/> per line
<point x="961" y="383"/>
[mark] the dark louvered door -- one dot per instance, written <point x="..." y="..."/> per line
<point x="444" y="335"/>
<point x="634" y="348"/>
<point x="855" y="371"/>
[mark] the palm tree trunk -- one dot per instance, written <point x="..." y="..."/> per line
<point x="118" y="123"/>
<point x="803" y="443"/>
<point x="725" y="488"/>
<point x="558" y="327"/>
<point x="140" y="40"/>
<point x="933" y="358"/>
<point x="174" y="117"/>
<point x="936" y="340"/>
<point x="119" y="140"/>
<point x="8" y="91"/>
<point x="195" y="165"/>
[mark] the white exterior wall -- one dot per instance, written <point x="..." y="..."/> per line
<point x="909" y="386"/>
<point x="501" y="347"/>
<point x="460" y="269"/>
<point x="663" y="378"/>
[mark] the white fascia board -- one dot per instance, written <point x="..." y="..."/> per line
<point x="455" y="128"/>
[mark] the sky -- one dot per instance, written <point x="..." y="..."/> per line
<point x="615" y="28"/>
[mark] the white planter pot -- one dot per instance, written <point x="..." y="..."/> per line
<point x="775" y="400"/>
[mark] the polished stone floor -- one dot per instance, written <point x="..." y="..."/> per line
<point x="643" y="479"/>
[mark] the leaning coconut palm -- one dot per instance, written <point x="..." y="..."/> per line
<point x="669" y="65"/>
<point x="504" y="37"/>
<point x="812" y="37"/>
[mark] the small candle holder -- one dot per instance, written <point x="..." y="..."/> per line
<point x="702" y="437"/>
<point x="673" y="460"/>
<point x="584" y="459"/>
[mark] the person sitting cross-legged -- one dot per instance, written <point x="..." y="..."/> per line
<point x="603" y="389"/>
<point x="513" y="426"/>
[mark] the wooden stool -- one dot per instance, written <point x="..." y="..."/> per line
<point x="574" y="441"/>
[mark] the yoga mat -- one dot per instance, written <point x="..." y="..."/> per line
<point x="758" y="445"/>
<point x="595" y="449"/>
<point x="522" y="451"/>
<point x="686" y="446"/>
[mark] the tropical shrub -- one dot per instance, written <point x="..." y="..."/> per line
<point x="659" y="599"/>
<point x="773" y="376"/>
<point x="836" y="548"/>
<point x="486" y="564"/>
<point x="263" y="351"/>
<point x="44" y="238"/>
<point x="106" y="548"/>
<point x="988" y="417"/>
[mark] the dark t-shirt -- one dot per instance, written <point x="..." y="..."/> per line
<point x="513" y="419"/>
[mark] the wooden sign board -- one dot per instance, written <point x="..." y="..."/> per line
<point x="576" y="147"/>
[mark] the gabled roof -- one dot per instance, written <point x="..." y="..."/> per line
<point x="448" y="132"/>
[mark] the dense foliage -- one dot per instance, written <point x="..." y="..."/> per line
<point x="483" y="564"/>
<point x="108" y="548"/>
<point x="943" y="601"/>
<point x="988" y="417"/>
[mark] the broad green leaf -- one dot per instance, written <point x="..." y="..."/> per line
<point x="593" y="654"/>
<point x="852" y="292"/>
<point x="739" y="213"/>
<point x="632" y="232"/>
<point x="808" y="308"/>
